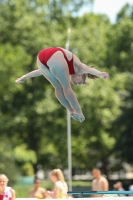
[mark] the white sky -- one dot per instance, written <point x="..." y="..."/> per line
<point x="108" y="7"/>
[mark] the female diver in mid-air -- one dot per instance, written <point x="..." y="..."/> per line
<point x="56" y="64"/>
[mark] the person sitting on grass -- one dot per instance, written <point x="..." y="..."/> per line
<point x="6" y="193"/>
<point x="60" y="186"/>
<point x="37" y="191"/>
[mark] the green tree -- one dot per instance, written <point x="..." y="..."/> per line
<point x="120" y="46"/>
<point x="24" y="108"/>
<point x="30" y="113"/>
<point x="125" y="12"/>
<point x="25" y="158"/>
<point x="120" y="57"/>
<point x="123" y="125"/>
<point x="8" y="165"/>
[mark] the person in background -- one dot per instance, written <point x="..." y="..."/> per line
<point x="37" y="191"/>
<point x="99" y="182"/>
<point x="60" y="187"/>
<point x="119" y="187"/>
<point x="6" y="193"/>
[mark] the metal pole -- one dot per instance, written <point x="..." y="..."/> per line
<point x="69" y="130"/>
<point x="69" y="150"/>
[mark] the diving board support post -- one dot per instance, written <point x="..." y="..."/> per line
<point x="69" y="129"/>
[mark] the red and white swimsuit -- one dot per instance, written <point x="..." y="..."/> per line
<point x="7" y="194"/>
<point x="45" y="54"/>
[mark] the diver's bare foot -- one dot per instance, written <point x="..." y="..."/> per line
<point x="104" y="75"/>
<point x="78" y="117"/>
<point x="19" y="80"/>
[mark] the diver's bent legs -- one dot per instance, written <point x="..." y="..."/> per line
<point x="59" y="70"/>
<point x="61" y="98"/>
<point x="58" y="89"/>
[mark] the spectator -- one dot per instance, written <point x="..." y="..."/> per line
<point x="99" y="182"/>
<point x="37" y="191"/>
<point x="6" y="192"/>
<point x="118" y="186"/>
<point x="60" y="186"/>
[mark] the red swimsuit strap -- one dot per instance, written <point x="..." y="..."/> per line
<point x="1" y="197"/>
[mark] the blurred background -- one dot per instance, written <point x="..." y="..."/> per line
<point x="33" y="124"/>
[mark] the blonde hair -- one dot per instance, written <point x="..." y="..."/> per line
<point x="58" y="173"/>
<point x="4" y="176"/>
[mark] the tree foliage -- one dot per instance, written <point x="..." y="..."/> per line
<point x="7" y="160"/>
<point x="31" y="115"/>
<point x="123" y="125"/>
